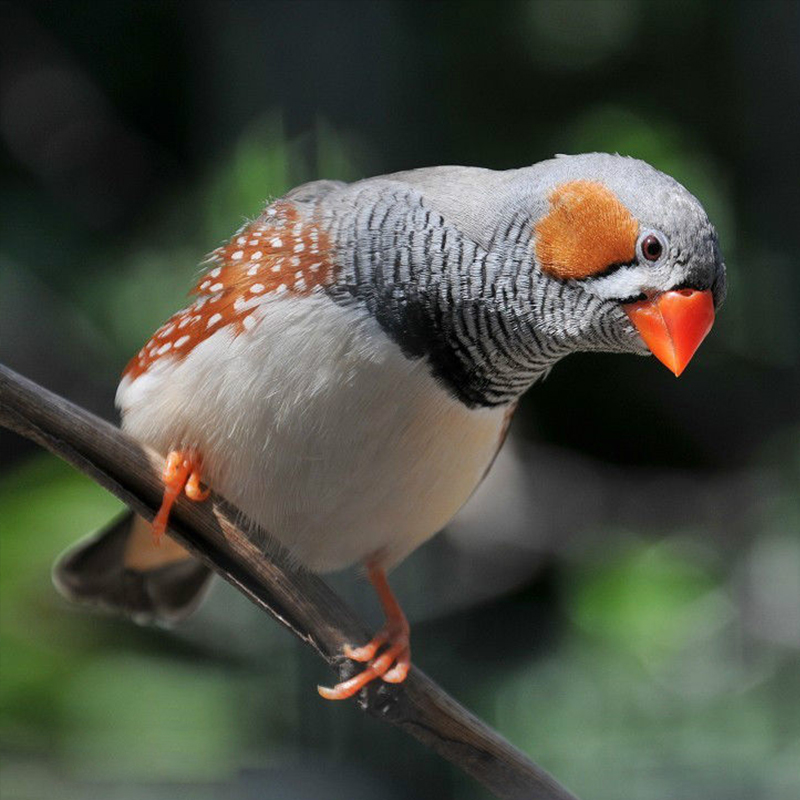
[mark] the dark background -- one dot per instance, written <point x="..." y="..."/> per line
<point x="622" y="597"/>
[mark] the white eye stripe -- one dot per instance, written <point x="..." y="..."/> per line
<point x="624" y="282"/>
<point x="632" y="281"/>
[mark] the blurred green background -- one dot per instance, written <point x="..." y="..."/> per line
<point x="622" y="597"/>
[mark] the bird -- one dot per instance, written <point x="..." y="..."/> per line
<point x="348" y="364"/>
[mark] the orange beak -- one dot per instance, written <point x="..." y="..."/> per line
<point x="673" y="324"/>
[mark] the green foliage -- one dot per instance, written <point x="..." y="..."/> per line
<point x="650" y="600"/>
<point x="97" y="694"/>
<point x="46" y="506"/>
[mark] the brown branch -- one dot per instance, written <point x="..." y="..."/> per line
<point x="297" y="599"/>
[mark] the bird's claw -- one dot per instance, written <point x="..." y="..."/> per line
<point x="391" y="665"/>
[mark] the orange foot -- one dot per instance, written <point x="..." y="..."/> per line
<point x="181" y="474"/>
<point x="394" y="636"/>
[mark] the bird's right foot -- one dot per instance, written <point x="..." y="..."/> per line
<point x="393" y="664"/>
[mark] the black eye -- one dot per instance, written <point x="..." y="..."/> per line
<point x="652" y="247"/>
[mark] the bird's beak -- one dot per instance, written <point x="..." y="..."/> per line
<point x="673" y="324"/>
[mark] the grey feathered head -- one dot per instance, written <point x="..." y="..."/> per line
<point x="623" y="232"/>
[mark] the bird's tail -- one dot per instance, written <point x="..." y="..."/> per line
<point x="120" y="570"/>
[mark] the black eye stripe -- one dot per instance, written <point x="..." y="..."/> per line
<point x="610" y="270"/>
<point x="634" y="298"/>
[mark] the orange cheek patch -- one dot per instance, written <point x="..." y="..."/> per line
<point x="280" y="253"/>
<point x="586" y="231"/>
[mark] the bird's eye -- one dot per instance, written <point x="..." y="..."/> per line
<point x="652" y="247"/>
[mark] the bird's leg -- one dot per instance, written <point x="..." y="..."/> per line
<point x="181" y="473"/>
<point x="393" y="663"/>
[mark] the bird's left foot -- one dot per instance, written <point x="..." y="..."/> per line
<point x="181" y="474"/>
<point x="393" y="663"/>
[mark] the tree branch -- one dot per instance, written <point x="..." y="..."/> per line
<point x="297" y="599"/>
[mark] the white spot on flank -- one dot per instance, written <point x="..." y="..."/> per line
<point x="256" y="255"/>
<point x="239" y="303"/>
<point x="205" y="284"/>
<point x="315" y="266"/>
<point x="257" y="288"/>
<point x="276" y="242"/>
<point x="300" y="284"/>
<point x="238" y="255"/>
<point x="215" y="272"/>
<point x="254" y="241"/>
<point x="166" y="331"/>
<point x="183" y="323"/>
<point x="282" y="289"/>
<point x="241" y="240"/>
<point x="252" y="270"/>
<point x="295" y="262"/>
<point x="217" y="287"/>
<point x="198" y="304"/>
<point x="249" y="321"/>
<point x="299" y="247"/>
<point x="213" y="320"/>
<point x="164" y="348"/>
<point x="299" y="274"/>
<point x="181" y="342"/>
<point x="276" y="268"/>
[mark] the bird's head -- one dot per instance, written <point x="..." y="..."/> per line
<point x="630" y="254"/>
